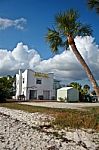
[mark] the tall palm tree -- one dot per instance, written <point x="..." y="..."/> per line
<point x="67" y="26"/>
<point x="94" y="4"/>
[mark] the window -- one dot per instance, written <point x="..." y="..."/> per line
<point x="38" y="81"/>
<point x="23" y="80"/>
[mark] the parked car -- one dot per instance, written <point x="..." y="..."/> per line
<point x="90" y="98"/>
<point x="94" y="98"/>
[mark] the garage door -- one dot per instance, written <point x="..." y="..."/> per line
<point x="46" y="95"/>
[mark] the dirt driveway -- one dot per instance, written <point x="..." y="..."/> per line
<point x="61" y="105"/>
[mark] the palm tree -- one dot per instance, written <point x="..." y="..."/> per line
<point x="94" y="4"/>
<point x="76" y="86"/>
<point x="67" y="26"/>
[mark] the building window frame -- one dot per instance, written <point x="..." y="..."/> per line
<point x="23" y="81"/>
<point x="38" y="81"/>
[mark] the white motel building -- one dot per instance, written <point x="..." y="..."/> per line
<point x="35" y="85"/>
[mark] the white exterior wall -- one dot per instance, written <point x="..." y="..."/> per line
<point x="68" y="93"/>
<point x="61" y="94"/>
<point x="24" y="84"/>
<point x="19" y="83"/>
<point x="73" y="95"/>
<point x="30" y="78"/>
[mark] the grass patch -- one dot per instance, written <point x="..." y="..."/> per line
<point x="27" y="108"/>
<point x="64" y="117"/>
<point x="77" y="119"/>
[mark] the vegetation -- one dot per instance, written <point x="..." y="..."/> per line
<point x="67" y="27"/>
<point x="78" y="119"/>
<point x="6" y="88"/>
<point x="64" y="117"/>
<point x="62" y="99"/>
<point x="83" y="90"/>
<point x="94" y="4"/>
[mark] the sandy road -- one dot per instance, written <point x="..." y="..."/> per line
<point x="61" y="105"/>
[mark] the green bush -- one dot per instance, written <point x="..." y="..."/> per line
<point x="62" y="99"/>
<point x="6" y="88"/>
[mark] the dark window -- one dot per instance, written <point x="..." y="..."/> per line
<point x="33" y="94"/>
<point x="38" y="81"/>
<point x="23" y="80"/>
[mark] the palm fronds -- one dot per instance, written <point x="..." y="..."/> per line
<point x="94" y="4"/>
<point x="53" y="39"/>
<point x="67" y="23"/>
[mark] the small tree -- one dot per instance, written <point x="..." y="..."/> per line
<point x="82" y="90"/>
<point x="76" y="86"/>
<point x="6" y="88"/>
<point x="86" y="88"/>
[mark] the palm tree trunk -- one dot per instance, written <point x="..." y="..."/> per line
<point x="84" y="65"/>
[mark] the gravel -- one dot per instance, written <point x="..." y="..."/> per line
<point x="20" y="130"/>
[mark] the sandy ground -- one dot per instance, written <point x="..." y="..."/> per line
<point x="61" y="105"/>
<point x="21" y="130"/>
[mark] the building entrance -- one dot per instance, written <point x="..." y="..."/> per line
<point x="33" y="94"/>
<point x="46" y="95"/>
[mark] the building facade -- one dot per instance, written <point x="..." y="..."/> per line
<point x="35" y="85"/>
<point x="68" y="94"/>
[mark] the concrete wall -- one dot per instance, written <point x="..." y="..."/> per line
<point x="29" y="82"/>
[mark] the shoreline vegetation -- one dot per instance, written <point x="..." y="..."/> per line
<point x="88" y="118"/>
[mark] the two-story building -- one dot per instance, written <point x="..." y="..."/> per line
<point x="35" y="85"/>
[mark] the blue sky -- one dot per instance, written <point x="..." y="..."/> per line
<point x="39" y="15"/>
<point x="23" y="26"/>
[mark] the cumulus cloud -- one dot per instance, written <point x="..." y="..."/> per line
<point x="6" y="23"/>
<point x="20" y="57"/>
<point x="65" y="65"/>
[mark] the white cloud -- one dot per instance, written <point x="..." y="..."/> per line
<point x="6" y="23"/>
<point x="20" y="57"/>
<point x="65" y="65"/>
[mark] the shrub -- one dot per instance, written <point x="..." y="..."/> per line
<point x="62" y="99"/>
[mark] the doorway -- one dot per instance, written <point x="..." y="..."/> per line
<point x="46" y="95"/>
<point x="33" y="94"/>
